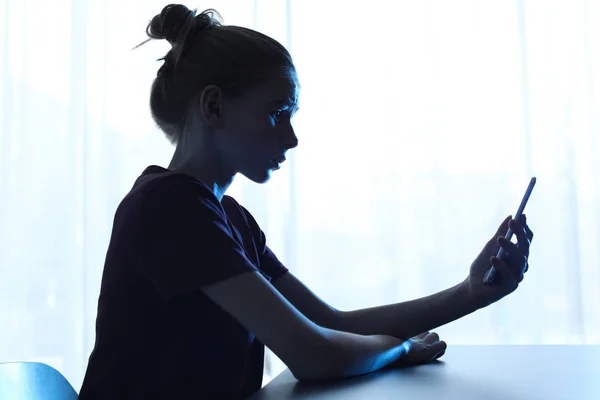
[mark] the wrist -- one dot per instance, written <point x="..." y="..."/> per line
<point x="466" y="297"/>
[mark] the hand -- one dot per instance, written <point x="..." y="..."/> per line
<point x="510" y="269"/>
<point x="422" y="349"/>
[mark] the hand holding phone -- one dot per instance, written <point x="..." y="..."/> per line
<point x="491" y="275"/>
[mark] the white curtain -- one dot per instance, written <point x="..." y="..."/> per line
<point x="421" y="123"/>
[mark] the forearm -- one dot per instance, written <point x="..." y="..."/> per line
<point x="348" y="354"/>
<point x="407" y="319"/>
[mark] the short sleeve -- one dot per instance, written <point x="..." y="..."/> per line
<point x="268" y="261"/>
<point x="271" y="265"/>
<point x="185" y="241"/>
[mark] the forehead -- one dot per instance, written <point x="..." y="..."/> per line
<point x="278" y="89"/>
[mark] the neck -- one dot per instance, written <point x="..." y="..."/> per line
<point x="203" y="165"/>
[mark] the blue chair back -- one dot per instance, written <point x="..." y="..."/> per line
<point x="33" y="381"/>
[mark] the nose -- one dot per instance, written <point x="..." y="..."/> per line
<point x="290" y="139"/>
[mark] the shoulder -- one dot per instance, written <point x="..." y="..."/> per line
<point x="238" y="214"/>
<point x="160" y="199"/>
<point x="244" y="222"/>
<point x="254" y="237"/>
<point x="233" y="208"/>
<point x="160" y="189"/>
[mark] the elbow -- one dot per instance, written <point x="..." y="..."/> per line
<point x="329" y="362"/>
<point x="303" y="376"/>
<point x="334" y="320"/>
<point x="315" y="374"/>
<point x="337" y="319"/>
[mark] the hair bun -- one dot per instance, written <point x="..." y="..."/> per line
<point x="171" y="23"/>
<point x="175" y="22"/>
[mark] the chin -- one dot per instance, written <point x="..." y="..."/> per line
<point x="259" y="176"/>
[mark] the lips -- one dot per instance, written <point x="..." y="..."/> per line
<point x="276" y="162"/>
<point x="279" y="160"/>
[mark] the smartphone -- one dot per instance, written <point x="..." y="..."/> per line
<point x="490" y="276"/>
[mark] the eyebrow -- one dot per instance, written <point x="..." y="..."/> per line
<point x="287" y="103"/>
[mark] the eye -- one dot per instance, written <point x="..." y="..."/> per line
<point x="277" y="115"/>
<point x="286" y="112"/>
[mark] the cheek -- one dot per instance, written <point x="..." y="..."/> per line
<point x="260" y="130"/>
<point x="252" y="134"/>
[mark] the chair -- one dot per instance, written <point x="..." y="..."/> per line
<point x="33" y="381"/>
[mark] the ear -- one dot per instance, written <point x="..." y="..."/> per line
<point x="211" y="105"/>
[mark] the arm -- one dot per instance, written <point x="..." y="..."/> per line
<point x="404" y="320"/>
<point x="401" y="320"/>
<point x="311" y="352"/>
<point x="408" y="319"/>
<point x="307" y="302"/>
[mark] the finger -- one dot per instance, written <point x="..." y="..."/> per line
<point x="527" y="230"/>
<point x="529" y="235"/>
<point x="509" y="247"/>
<point x="515" y="258"/>
<point x="431" y="338"/>
<point x="516" y="263"/>
<point x="521" y="277"/>
<point x="522" y="239"/>
<point x="492" y="245"/>
<point x="506" y="275"/>
<point x="422" y="335"/>
<point x="437" y="350"/>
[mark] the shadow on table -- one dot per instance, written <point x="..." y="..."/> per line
<point x="431" y="380"/>
<point x="321" y="388"/>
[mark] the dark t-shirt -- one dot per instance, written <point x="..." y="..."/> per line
<point x="157" y="335"/>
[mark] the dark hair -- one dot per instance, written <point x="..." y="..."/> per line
<point x="205" y="52"/>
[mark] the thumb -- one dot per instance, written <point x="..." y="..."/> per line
<point x="503" y="228"/>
